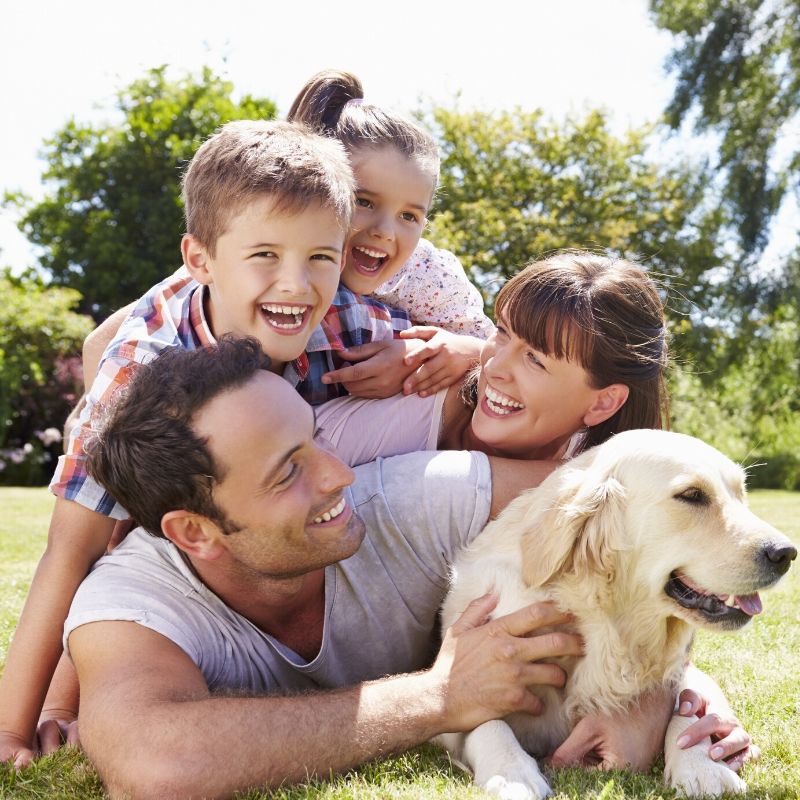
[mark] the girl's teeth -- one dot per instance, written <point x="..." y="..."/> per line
<point x="332" y="513"/>
<point x="371" y="253"/>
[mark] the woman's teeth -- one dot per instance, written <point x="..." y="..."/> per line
<point x="500" y="403"/>
<point x="332" y="513"/>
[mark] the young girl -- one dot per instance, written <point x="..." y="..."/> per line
<point x="396" y="166"/>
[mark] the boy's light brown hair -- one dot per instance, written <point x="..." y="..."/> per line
<point x="245" y="160"/>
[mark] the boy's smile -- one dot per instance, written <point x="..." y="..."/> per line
<point x="273" y="275"/>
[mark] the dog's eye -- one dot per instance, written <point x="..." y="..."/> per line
<point x="693" y="495"/>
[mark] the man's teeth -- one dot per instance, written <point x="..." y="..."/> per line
<point x="500" y="404"/>
<point x="332" y="513"/>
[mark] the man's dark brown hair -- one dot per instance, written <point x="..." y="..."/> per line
<point x="145" y="451"/>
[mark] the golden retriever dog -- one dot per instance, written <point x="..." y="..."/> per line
<point x="643" y="539"/>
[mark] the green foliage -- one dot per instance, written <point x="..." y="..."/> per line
<point x="111" y="224"/>
<point x="752" y="410"/>
<point x="515" y="187"/>
<point x="40" y="337"/>
<point x="738" y="69"/>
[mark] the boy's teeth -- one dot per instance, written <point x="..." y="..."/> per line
<point x="332" y="513"/>
<point x="276" y="309"/>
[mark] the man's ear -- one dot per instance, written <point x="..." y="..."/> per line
<point x="607" y="402"/>
<point x="196" y="535"/>
<point x="196" y="258"/>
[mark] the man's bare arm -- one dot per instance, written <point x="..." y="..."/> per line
<point x="152" y="729"/>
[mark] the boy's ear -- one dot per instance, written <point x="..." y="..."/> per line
<point x="196" y="258"/>
<point x="196" y="535"/>
<point x="607" y="402"/>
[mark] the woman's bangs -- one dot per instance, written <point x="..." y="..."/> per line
<point x="550" y="323"/>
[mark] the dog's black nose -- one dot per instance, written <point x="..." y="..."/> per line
<point x="780" y="556"/>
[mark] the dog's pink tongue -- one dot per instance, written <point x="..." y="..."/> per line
<point x="749" y="603"/>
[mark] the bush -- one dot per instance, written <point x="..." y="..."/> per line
<point x="40" y="375"/>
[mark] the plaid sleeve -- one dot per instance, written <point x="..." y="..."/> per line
<point x="351" y="320"/>
<point x="162" y="318"/>
<point x="71" y="479"/>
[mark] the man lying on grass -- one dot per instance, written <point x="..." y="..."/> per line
<point x="242" y="637"/>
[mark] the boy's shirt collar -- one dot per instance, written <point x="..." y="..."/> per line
<point x="294" y="372"/>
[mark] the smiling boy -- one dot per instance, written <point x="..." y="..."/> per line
<point x="268" y="209"/>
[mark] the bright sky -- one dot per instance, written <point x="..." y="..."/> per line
<point x="62" y="60"/>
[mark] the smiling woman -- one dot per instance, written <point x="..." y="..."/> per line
<point x="578" y="355"/>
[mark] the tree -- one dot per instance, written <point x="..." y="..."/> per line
<point x="738" y="71"/>
<point x="515" y="188"/>
<point x="111" y="224"/>
<point x="40" y="376"/>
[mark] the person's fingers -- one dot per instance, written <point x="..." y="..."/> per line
<point x="735" y="742"/>
<point x="475" y="614"/>
<point x="709" y="725"/>
<point x="691" y="703"/>
<point x="548" y="645"/>
<point x="50" y="736"/>
<point x="419" y="354"/>
<point x="532" y="617"/>
<point x="426" y="379"/>
<point x="23" y="757"/>
<point x="351" y="374"/>
<point x="73" y="737"/>
<point x="419" y="332"/>
<point x="542" y="674"/>
<point x="361" y="352"/>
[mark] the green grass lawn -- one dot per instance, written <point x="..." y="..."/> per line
<point x="759" y="669"/>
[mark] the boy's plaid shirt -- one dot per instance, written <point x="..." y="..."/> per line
<point x="171" y="315"/>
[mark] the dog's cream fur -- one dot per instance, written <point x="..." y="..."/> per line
<point x="601" y="537"/>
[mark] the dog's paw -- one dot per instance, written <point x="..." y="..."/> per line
<point x="702" y="777"/>
<point x="521" y="782"/>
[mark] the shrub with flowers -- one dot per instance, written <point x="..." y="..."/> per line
<point x="40" y="374"/>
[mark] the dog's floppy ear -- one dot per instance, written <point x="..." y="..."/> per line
<point x="579" y="530"/>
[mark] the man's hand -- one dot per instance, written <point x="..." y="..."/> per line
<point x="629" y="739"/>
<point x="731" y="743"/>
<point x="487" y="668"/>
<point x="379" y="369"/>
<point x="439" y="358"/>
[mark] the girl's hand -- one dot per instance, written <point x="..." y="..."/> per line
<point x="731" y="743"/>
<point x="439" y="358"/>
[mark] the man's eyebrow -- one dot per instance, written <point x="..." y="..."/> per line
<point x="272" y="473"/>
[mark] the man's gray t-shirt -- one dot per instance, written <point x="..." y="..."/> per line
<point x="381" y="604"/>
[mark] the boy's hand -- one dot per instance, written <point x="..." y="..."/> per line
<point x="379" y="369"/>
<point x="439" y="358"/>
